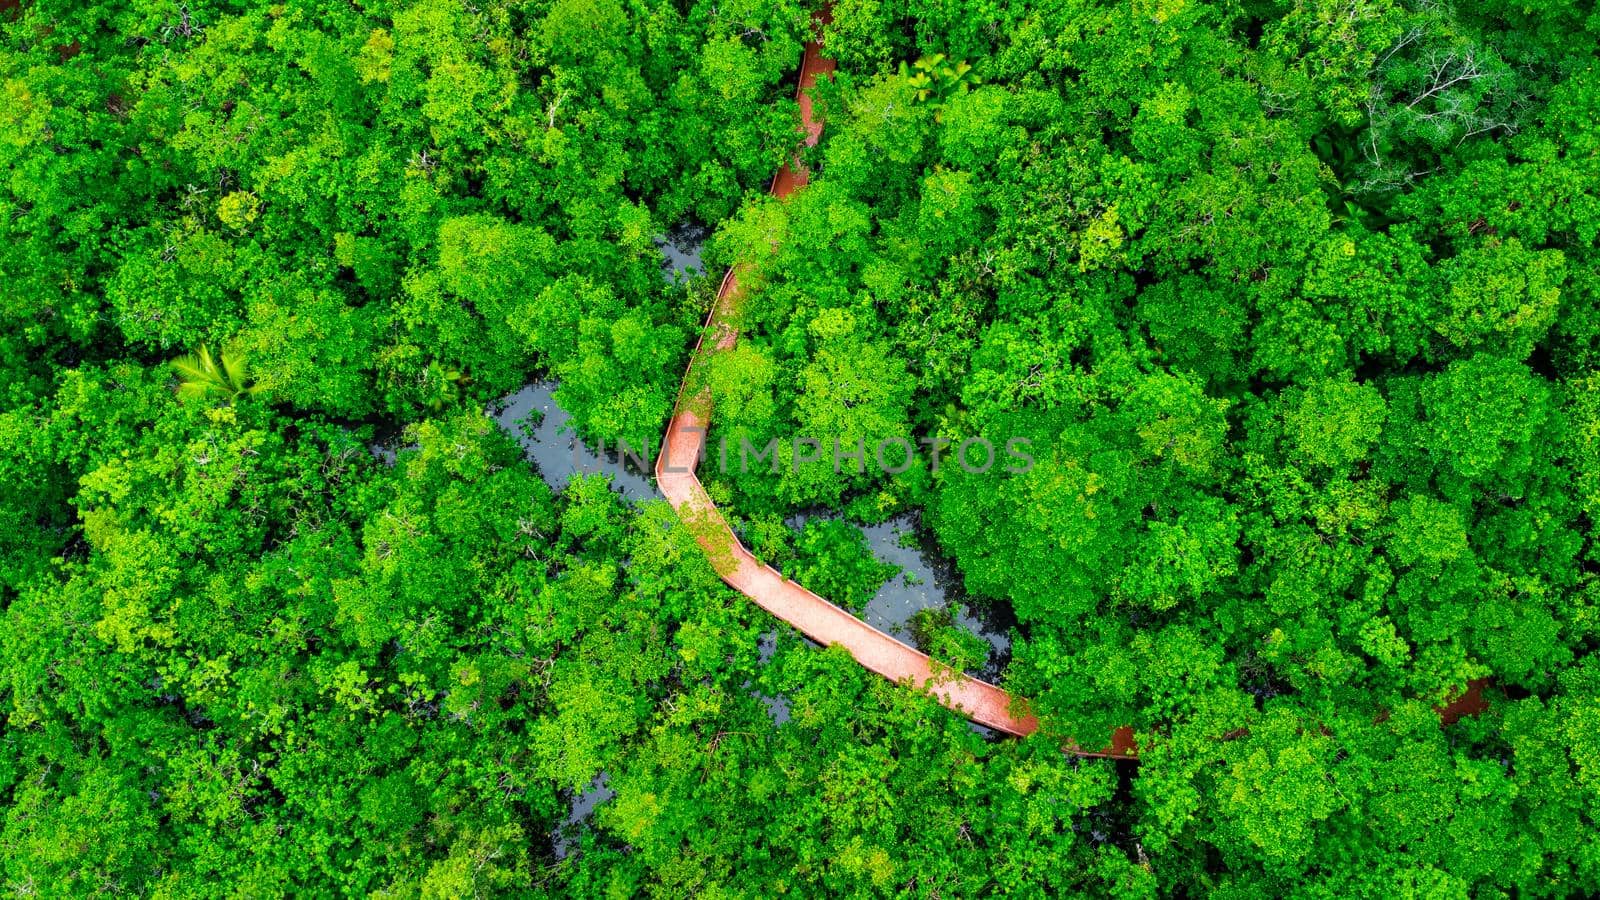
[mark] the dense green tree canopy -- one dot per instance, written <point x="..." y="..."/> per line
<point x="1296" y="305"/>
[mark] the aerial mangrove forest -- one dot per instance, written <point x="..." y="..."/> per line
<point x="761" y="448"/>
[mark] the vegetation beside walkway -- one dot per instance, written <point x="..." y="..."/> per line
<point x="1295" y="300"/>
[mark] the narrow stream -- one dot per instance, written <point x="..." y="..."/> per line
<point x="926" y="580"/>
<point x="777" y="707"/>
<point x="539" y="424"/>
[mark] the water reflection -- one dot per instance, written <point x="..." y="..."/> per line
<point x="680" y="251"/>
<point x="387" y="452"/>
<point x="777" y="707"/>
<point x="583" y="804"/>
<point x="926" y="581"/>
<point x="541" y="426"/>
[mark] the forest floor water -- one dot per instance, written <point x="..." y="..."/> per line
<point x="579" y="810"/>
<point x="680" y="250"/>
<point x="537" y="422"/>
<point x="926" y="580"/>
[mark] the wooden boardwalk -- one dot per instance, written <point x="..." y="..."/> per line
<point x="814" y="616"/>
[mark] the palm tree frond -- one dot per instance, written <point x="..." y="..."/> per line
<point x="234" y="369"/>
<point x="201" y="375"/>
<point x="188" y="367"/>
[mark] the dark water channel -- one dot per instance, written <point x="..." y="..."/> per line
<point x="926" y="580"/>
<point x="532" y="416"/>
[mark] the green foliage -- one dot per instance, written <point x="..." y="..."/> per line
<point x="937" y="80"/>
<point x="1336" y="423"/>
<point x="238" y="210"/>
<point x="1292" y="306"/>
<point x="202" y="377"/>
<point x="1295" y="305"/>
<point x="938" y="634"/>
<point x="832" y="559"/>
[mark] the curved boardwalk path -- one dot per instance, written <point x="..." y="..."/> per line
<point x="812" y="615"/>
<point x="684" y="444"/>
